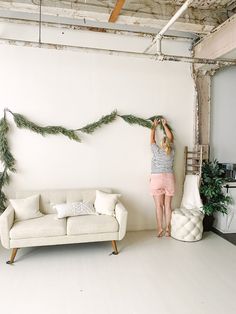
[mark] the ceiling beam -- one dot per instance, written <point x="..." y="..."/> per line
<point x="220" y="42"/>
<point x="194" y="20"/>
<point x="117" y="9"/>
<point x="80" y="25"/>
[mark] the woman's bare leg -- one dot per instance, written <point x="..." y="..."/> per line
<point x="168" y="213"/>
<point x="159" y="203"/>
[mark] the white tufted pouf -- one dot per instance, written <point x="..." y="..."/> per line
<point x="186" y="224"/>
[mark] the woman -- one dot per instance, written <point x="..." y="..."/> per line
<point x="162" y="183"/>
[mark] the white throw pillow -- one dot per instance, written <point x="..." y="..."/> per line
<point x="74" y="209"/>
<point x="26" y="208"/>
<point x="105" y="203"/>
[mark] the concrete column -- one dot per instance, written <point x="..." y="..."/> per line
<point x="203" y="86"/>
<point x="202" y="110"/>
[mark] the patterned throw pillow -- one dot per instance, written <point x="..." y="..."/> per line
<point x="74" y="209"/>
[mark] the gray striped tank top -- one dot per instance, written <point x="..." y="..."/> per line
<point x="161" y="162"/>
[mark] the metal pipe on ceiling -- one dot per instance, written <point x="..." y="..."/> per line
<point x="155" y="57"/>
<point x="159" y="36"/>
<point x="40" y="21"/>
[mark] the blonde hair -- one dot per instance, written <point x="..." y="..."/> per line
<point x="167" y="147"/>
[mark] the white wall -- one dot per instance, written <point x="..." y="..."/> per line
<point x="223" y="116"/>
<point x="72" y="89"/>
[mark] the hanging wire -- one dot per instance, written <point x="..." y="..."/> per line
<point x="40" y="21"/>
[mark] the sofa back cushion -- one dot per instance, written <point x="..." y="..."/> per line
<point x="50" y="197"/>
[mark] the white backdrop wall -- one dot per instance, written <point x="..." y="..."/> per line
<point x="73" y="89"/>
<point x="223" y="115"/>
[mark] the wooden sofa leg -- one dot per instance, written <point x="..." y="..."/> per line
<point x="115" y="252"/>
<point x="13" y="255"/>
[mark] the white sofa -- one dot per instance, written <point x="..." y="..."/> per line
<point x="49" y="230"/>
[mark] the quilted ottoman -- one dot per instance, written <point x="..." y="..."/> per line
<point x="186" y="224"/>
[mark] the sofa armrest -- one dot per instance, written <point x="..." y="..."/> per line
<point x="6" y="222"/>
<point x="121" y="215"/>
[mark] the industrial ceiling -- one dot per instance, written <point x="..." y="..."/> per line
<point x="200" y="19"/>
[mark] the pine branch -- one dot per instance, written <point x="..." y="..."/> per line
<point x="53" y="130"/>
<point x="4" y="178"/>
<point x="5" y="154"/>
<point x="22" y="122"/>
<point x="136" y="120"/>
<point x="161" y="126"/>
<point x="156" y="117"/>
<point x="90" y="128"/>
<point x="3" y="200"/>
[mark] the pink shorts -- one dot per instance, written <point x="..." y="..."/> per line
<point x="162" y="183"/>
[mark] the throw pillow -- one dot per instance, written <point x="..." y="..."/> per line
<point x="105" y="203"/>
<point x="26" y="208"/>
<point x="74" y="209"/>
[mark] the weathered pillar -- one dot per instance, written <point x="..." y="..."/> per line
<point x="216" y="45"/>
<point x="203" y="85"/>
<point x="202" y="80"/>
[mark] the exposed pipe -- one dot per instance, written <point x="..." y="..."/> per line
<point x="40" y="21"/>
<point x="155" y="57"/>
<point x="158" y="38"/>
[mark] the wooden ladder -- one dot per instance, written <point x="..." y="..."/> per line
<point x="194" y="159"/>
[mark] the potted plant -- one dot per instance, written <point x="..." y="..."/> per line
<point x="213" y="197"/>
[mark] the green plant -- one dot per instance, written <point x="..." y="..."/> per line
<point x="213" y="197"/>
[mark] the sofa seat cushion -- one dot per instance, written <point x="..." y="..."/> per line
<point x="45" y="226"/>
<point x="91" y="224"/>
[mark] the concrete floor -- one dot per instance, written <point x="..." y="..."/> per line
<point x="150" y="275"/>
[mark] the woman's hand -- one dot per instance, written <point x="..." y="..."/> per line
<point x="153" y="131"/>
<point x="168" y="132"/>
<point x="155" y="123"/>
<point x="163" y="121"/>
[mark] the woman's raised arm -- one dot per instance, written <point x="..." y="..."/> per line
<point x="153" y="131"/>
<point x="169" y="134"/>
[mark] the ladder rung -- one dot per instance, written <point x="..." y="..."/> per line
<point x="189" y="165"/>
<point x="194" y="159"/>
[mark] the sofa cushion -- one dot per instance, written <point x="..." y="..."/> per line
<point x="74" y="209"/>
<point x="60" y="196"/>
<point x="26" y="208"/>
<point x="45" y="226"/>
<point x="105" y="203"/>
<point x="91" y="224"/>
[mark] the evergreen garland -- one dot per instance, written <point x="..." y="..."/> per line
<point x="3" y="200"/>
<point x="90" y="128"/>
<point x="4" y="179"/>
<point x="22" y="122"/>
<point x="8" y="160"/>
<point x="5" y="154"/>
<point x="136" y="120"/>
<point x="147" y="123"/>
<point x="161" y="125"/>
